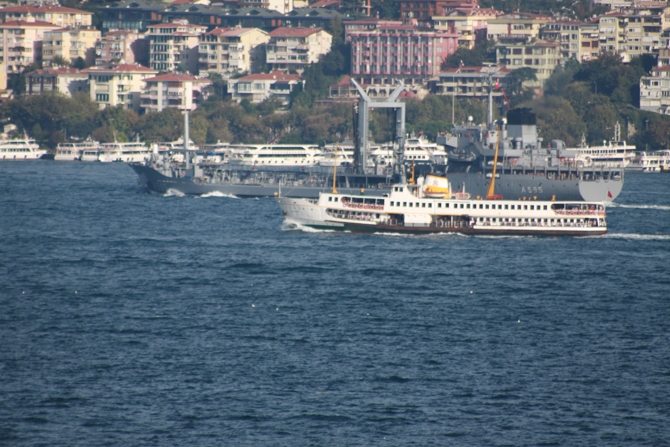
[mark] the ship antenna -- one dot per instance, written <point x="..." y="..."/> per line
<point x="492" y="186"/>
<point x="335" y="169"/>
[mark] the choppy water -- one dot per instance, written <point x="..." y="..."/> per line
<point x="129" y="318"/>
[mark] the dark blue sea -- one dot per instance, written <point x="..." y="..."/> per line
<point x="136" y="319"/>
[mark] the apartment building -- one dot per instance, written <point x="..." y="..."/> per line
<point x="229" y="51"/>
<point x="56" y="15"/>
<point x="540" y="55"/>
<point x="590" y="41"/>
<point x="179" y="91"/>
<point x="295" y="48"/>
<point x="567" y="34"/>
<point x="128" y="46"/>
<point x="470" y="24"/>
<point x="69" y="44"/>
<point x="120" y="84"/>
<point x="21" y="43"/>
<point x="471" y="82"/>
<point x="387" y="54"/>
<point x="65" y="80"/>
<point x="174" y="43"/>
<point x="261" y="86"/>
<point x="635" y="30"/>
<point x="655" y="91"/>
<point x="369" y="24"/>
<point x="519" y="25"/>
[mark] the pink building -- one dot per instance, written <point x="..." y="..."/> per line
<point x="389" y="53"/>
<point x="128" y="46"/>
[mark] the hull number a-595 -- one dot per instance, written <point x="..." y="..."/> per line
<point x="532" y="189"/>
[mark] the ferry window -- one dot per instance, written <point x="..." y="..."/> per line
<point x="404" y="204"/>
<point x="446" y="205"/>
<point x="525" y="207"/>
<point x="506" y="207"/>
<point x="499" y="207"/>
<point x="430" y="205"/>
<point x="439" y="205"/>
<point x="391" y="202"/>
<point x="544" y="207"/>
<point x="417" y="204"/>
<point x="423" y="205"/>
<point x="411" y="204"/>
<point x="336" y="199"/>
<point x="487" y="206"/>
<point x="532" y="207"/>
<point x="468" y="206"/>
<point x="330" y="199"/>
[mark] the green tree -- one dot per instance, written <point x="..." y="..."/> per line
<point x="60" y="61"/>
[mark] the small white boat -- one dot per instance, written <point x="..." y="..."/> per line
<point x="413" y="209"/>
<point x="21" y="149"/>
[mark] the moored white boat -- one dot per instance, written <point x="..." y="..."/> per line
<point x="21" y="149"/>
<point x="658" y="161"/>
<point x="74" y="151"/>
<point x="134" y="152"/>
<point x="274" y="155"/>
<point x="409" y="209"/>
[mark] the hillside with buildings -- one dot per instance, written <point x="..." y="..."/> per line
<point x="280" y="70"/>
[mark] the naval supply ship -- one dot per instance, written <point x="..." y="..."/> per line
<point x="524" y="171"/>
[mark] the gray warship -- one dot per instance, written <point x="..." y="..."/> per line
<point x="524" y="169"/>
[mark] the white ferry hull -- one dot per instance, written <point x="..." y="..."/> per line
<point x="380" y="215"/>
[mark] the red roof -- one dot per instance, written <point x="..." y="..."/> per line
<point x="274" y="75"/>
<point x="294" y="32"/>
<point x="230" y="31"/>
<point x="120" y="32"/>
<point x="24" y="24"/>
<point x="345" y="81"/>
<point x="43" y="9"/>
<point x="175" y="77"/>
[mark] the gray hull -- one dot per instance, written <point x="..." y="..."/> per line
<point x="510" y="186"/>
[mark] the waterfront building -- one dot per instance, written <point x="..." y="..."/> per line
<point x="261" y="86"/>
<point x="128" y="46"/>
<point x="172" y="44"/>
<point x="179" y="91"/>
<point x="21" y="43"/>
<point x="120" y="84"/>
<point x="56" y="15"/>
<point x="390" y="53"/>
<point x="470" y="24"/>
<point x="69" y="44"/>
<point x="64" y="80"/>
<point x="228" y="51"/>
<point x="296" y="48"/>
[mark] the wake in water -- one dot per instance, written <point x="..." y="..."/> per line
<point x="289" y="225"/>
<point x="217" y="194"/>
<point x="173" y="192"/>
<point x="639" y="237"/>
<point x="641" y="207"/>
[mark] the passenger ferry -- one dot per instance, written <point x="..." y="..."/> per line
<point x="435" y="208"/>
<point x="275" y="155"/>
<point x="134" y="152"/>
<point x="420" y="150"/>
<point x="609" y="155"/>
<point x="21" y="149"/>
<point x="74" y="151"/>
<point x="658" y="161"/>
